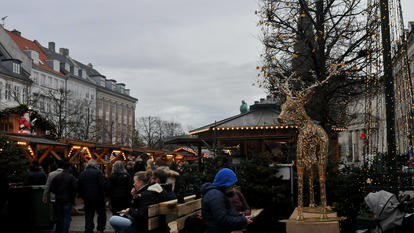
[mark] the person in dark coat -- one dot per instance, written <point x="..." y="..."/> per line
<point x="64" y="187"/>
<point x="218" y="213"/>
<point x="4" y="196"/>
<point x="37" y="176"/>
<point x="92" y="191"/>
<point x="144" y="194"/>
<point x="119" y="188"/>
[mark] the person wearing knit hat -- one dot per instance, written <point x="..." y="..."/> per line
<point x="225" y="178"/>
<point x="218" y="213"/>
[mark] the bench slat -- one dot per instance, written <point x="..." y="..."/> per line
<point x="153" y="210"/>
<point x="173" y="212"/>
<point x="179" y="210"/>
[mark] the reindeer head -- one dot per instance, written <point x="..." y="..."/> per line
<point x="293" y="110"/>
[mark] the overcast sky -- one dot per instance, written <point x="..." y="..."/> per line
<point x="190" y="61"/>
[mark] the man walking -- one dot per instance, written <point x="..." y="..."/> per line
<point x="50" y="178"/>
<point x="91" y="190"/>
<point x="64" y="187"/>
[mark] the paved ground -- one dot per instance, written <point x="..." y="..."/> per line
<point x="78" y="223"/>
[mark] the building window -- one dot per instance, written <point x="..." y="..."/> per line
<point x="24" y="96"/>
<point x="16" y="68"/>
<point x="49" y="81"/>
<point x="42" y="79"/>
<point x="7" y="93"/>
<point x="17" y="93"/>
<point x="36" y="77"/>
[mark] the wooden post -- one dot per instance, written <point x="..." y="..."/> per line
<point x="199" y="157"/>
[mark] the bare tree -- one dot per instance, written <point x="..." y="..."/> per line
<point x="154" y="130"/>
<point x="86" y="127"/>
<point x="71" y="117"/>
<point x="315" y="36"/>
<point x="22" y="95"/>
<point x="148" y="128"/>
<point x="136" y="140"/>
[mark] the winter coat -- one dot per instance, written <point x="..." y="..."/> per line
<point x="91" y="185"/>
<point x="36" y="177"/>
<point x="168" y="190"/>
<point x="119" y="186"/>
<point x="50" y="178"/>
<point x="239" y="203"/>
<point x="147" y="195"/>
<point x="64" y="187"/>
<point x="218" y="213"/>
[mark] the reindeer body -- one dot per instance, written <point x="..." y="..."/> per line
<point x="312" y="149"/>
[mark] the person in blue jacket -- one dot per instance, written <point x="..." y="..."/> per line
<point x="218" y="214"/>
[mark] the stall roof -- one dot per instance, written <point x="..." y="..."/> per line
<point x="183" y="139"/>
<point x="37" y="140"/>
<point x="263" y="113"/>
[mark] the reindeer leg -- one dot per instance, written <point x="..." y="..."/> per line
<point x="323" y="190"/>
<point x="300" y="190"/>
<point x="311" y="193"/>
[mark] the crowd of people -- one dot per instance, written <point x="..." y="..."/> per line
<point x="129" y="192"/>
<point x="120" y="190"/>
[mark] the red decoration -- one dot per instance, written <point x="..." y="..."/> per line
<point x="362" y="136"/>
<point x="411" y="162"/>
<point x="24" y="124"/>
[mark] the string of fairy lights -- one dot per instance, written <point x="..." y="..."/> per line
<point x="281" y="50"/>
<point x="375" y="104"/>
<point x="403" y="84"/>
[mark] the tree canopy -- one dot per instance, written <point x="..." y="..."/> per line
<point x="315" y="36"/>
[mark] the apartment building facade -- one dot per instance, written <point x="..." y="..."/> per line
<point x="82" y="103"/>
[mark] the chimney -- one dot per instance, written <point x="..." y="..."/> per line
<point x="16" y="32"/>
<point x="90" y="65"/>
<point x="262" y="100"/>
<point x="52" y="46"/>
<point x="64" y="51"/>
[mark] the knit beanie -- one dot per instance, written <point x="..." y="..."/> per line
<point x="225" y="178"/>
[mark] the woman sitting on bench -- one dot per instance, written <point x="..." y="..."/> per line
<point x="135" y="218"/>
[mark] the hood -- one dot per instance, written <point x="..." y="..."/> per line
<point x="207" y="187"/>
<point x="155" y="188"/>
<point x="384" y="205"/>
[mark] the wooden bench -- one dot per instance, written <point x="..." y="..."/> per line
<point x="173" y="214"/>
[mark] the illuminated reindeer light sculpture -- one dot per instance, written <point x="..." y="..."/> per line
<point x="312" y="144"/>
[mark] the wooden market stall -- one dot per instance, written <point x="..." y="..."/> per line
<point x="39" y="149"/>
<point x="255" y="131"/>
